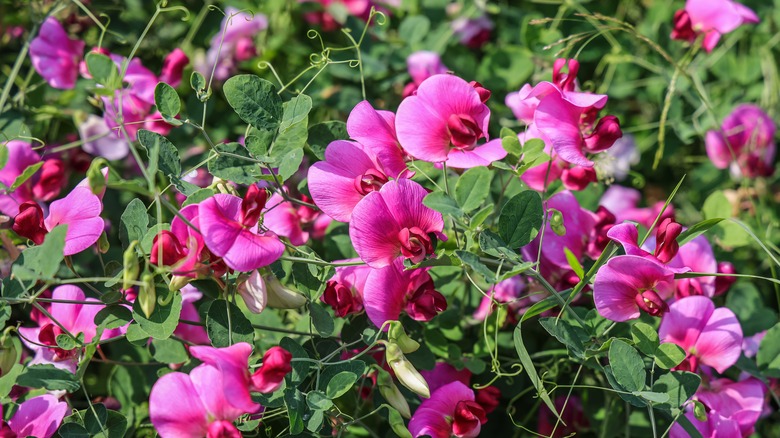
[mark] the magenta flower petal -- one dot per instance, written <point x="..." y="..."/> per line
<point x="741" y="401"/>
<point x="384" y="293"/>
<point x="422" y="120"/>
<point x="20" y="156"/>
<point x="241" y="248"/>
<point x="482" y="155"/>
<point x="175" y="407"/>
<point x="716" y="425"/>
<point x="559" y="121"/>
<point x="375" y="130"/>
<point x="620" y="280"/>
<point x="443" y="374"/>
<point x="77" y="318"/>
<point x="55" y="56"/>
<point x="39" y="417"/>
<point x="434" y="414"/>
<point x="80" y="211"/>
<point x="283" y="219"/>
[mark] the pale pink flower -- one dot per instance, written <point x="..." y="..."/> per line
<point x="711" y="19"/>
<point x="627" y="284"/>
<point x="39" y="417"/>
<point x="745" y="143"/>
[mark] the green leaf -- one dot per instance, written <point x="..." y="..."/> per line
<point x="225" y="330"/>
<point x="750" y="308"/>
<point x="26" y="174"/>
<point x="574" y="262"/>
<point x="133" y="223"/>
<point x="414" y="29"/>
<point x="627" y="366"/>
<point x="72" y="430"/>
<point x="8" y="380"/>
<point x="169" y="351"/>
<point x="653" y="397"/>
<point x="165" y="151"/>
<point x="48" y="377"/>
<point x="480" y="216"/>
<point x="340" y="384"/>
<point x="3" y="155"/>
<point x="697" y="230"/>
<point x="231" y="168"/>
<point x="645" y="338"/>
<point x="147" y="243"/>
<point x="680" y="385"/>
<point x="295" y="111"/>
<point x="198" y="83"/>
<point x="163" y="320"/>
<point x="290" y="164"/>
<point x="521" y="219"/>
<point x="630" y="398"/>
<point x="473" y="187"/>
<point x="66" y="342"/>
<point x="768" y="358"/>
<point x="103" y="70"/>
<point x="530" y="370"/>
<point x="168" y="102"/>
<point x="318" y="401"/>
<point x="669" y="355"/>
<point x="442" y="203"/>
<point x="198" y="196"/>
<point x="42" y="261"/>
<point x="570" y="336"/>
<point x="322" y="134"/>
<point x="111" y="317"/>
<point x="472" y="260"/>
<point x="512" y="145"/>
<point x="300" y="368"/>
<point x="290" y="139"/>
<point x="397" y="423"/>
<point x="255" y="101"/>
<point x="136" y="335"/>
<point x="296" y="409"/>
<point x="322" y="320"/>
<point x="492" y="244"/>
<point x="259" y="143"/>
<point x="356" y="367"/>
<point x="729" y="234"/>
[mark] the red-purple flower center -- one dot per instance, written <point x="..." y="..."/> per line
<point x="341" y="298"/>
<point x="687" y="287"/>
<point x="415" y="244"/>
<point x="651" y="302"/>
<point x="252" y="206"/>
<point x="464" y="131"/>
<point x="48" y="336"/>
<point x="425" y="302"/>
<point x="166" y="244"/>
<point x="666" y="240"/>
<point x="371" y="181"/>
<point x="222" y="429"/>
<point x="565" y="81"/>
<point x="29" y="222"/>
<point x="467" y="418"/>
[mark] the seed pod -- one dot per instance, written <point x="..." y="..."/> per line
<point x="392" y="394"/>
<point x="405" y="371"/>
<point x="147" y="295"/>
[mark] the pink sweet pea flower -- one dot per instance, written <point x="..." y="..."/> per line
<point x="20" y="157"/>
<point x="628" y="284"/>
<point x="744" y="144"/>
<point x="207" y="400"/>
<point x="422" y="65"/>
<point x="472" y="32"/>
<point x="450" y="411"/>
<point x="101" y="141"/>
<point x="181" y="247"/>
<point x="665" y="247"/>
<point x="39" y="417"/>
<point x="697" y="255"/>
<point x="709" y="336"/>
<point x="573" y="177"/>
<point x="444" y="373"/>
<point x="193" y="333"/>
<point x="375" y="130"/>
<point x="79" y="210"/>
<point x="741" y="401"/>
<point x="76" y="318"/>
<point x="723" y="283"/>
<point x="391" y="289"/>
<point x="715" y="426"/>
<point x="344" y="291"/>
<point x="238" y="44"/>
<point x="711" y="19"/>
<point x="393" y="222"/>
<point x="276" y="364"/>
<point x="55" y="56"/>
<point x="173" y="66"/>
<point x="229" y="226"/>
<point x="444" y="121"/>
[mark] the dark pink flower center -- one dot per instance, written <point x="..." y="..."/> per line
<point x="245" y="49"/>
<point x="166" y="244"/>
<point x="651" y="302"/>
<point x="687" y="287"/>
<point x="683" y="28"/>
<point x="489" y="398"/>
<point x="252" y="206"/>
<point x="484" y="93"/>
<point x="222" y="429"/>
<point x="666" y="240"/>
<point x="464" y="131"/>
<point x="371" y="181"/>
<point x="722" y="284"/>
<point x="53" y="178"/>
<point x="467" y="418"/>
<point x="415" y="244"/>
<point x="341" y="298"/>
<point x="604" y="135"/>
<point x="425" y="302"/>
<point x="48" y="336"/>
<point x="578" y="177"/>
<point x="690" y="363"/>
<point x="565" y="81"/>
<point x="29" y="222"/>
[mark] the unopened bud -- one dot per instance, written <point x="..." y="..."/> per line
<point x="397" y="334"/>
<point x="130" y="265"/>
<point x="405" y="371"/>
<point x="8" y="355"/>
<point x="147" y="295"/>
<point x="699" y="411"/>
<point x="95" y="176"/>
<point x="253" y="290"/>
<point x="102" y="244"/>
<point x="556" y="222"/>
<point x="392" y="394"/>
<point x="178" y="282"/>
<point x="280" y="297"/>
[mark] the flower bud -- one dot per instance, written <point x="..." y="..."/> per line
<point x="29" y="222"/>
<point x="276" y="364"/>
<point x="405" y="371"/>
<point x="147" y="295"/>
<point x="723" y="283"/>
<point x="556" y="222"/>
<point x="178" y="282"/>
<point x="397" y="334"/>
<point x="9" y="355"/>
<point x="280" y="297"/>
<point x="102" y="244"/>
<point x="392" y="394"/>
<point x="253" y="291"/>
<point x="130" y="265"/>
<point x="96" y="177"/>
